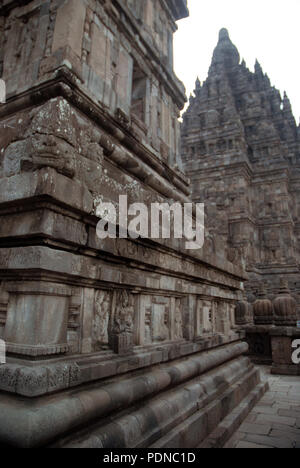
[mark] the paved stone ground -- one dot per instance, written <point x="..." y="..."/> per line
<point x="275" y="421"/>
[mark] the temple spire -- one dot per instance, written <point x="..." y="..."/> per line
<point x="286" y="103"/>
<point x="258" y="68"/>
<point x="197" y="87"/>
<point x="224" y="34"/>
<point x="225" y="53"/>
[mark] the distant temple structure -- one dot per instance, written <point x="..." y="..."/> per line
<point x="241" y="149"/>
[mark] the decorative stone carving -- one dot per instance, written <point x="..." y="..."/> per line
<point x="223" y="319"/>
<point x="35" y="381"/>
<point x="50" y="151"/>
<point x="160" y="331"/>
<point x="123" y="119"/>
<point x="204" y="317"/>
<point x="21" y="40"/>
<point x="9" y="378"/>
<point x="157" y="321"/>
<point x="122" y="331"/>
<point x="36" y="350"/>
<point x="263" y="308"/>
<point x="285" y="306"/>
<point x="52" y="138"/>
<point x="3" y="310"/>
<point x="74" y="322"/>
<point x="178" y="323"/>
<point x="148" y="326"/>
<point x="101" y="319"/>
<point x="54" y="135"/>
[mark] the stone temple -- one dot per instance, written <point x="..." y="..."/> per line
<point x="129" y="342"/>
<point x="241" y="149"/>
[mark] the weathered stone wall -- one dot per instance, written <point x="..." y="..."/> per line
<point x="37" y="41"/>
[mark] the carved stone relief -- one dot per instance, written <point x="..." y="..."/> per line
<point x="102" y="314"/>
<point x="21" y="44"/>
<point x="204" y="317"/>
<point x="3" y="310"/>
<point x="178" y="322"/>
<point x="223" y="318"/>
<point x="34" y="381"/>
<point x="123" y="322"/>
<point x="124" y="315"/>
<point x="148" y="325"/>
<point x="56" y="136"/>
<point x="159" y="319"/>
<point x="74" y="321"/>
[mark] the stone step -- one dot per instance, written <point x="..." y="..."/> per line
<point x="230" y="424"/>
<point x="195" y="429"/>
<point x="153" y="420"/>
<point x="184" y="382"/>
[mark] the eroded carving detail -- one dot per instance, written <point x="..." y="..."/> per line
<point x="101" y="319"/>
<point x="122" y="330"/>
<point x="178" y="327"/>
<point x="160" y="323"/>
<point x="34" y="381"/>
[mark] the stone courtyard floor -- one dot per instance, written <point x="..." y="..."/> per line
<point x="275" y="420"/>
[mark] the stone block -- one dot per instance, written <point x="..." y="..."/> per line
<point x="69" y="26"/>
<point x="36" y="323"/>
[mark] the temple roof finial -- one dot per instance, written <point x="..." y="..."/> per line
<point x="258" y="68"/>
<point x="225" y="53"/>
<point x="223" y="34"/>
<point x="286" y="102"/>
<point x="197" y="90"/>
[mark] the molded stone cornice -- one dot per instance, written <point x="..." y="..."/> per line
<point x="65" y="84"/>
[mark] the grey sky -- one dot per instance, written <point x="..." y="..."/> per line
<point x="264" y="29"/>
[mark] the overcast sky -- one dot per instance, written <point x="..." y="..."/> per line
<point x="268" y="30"/>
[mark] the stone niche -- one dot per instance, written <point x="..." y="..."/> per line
<point x="206" y="317"/>
<point x="161" y="320"/>
<point x="4" y="298"/>
<point x="101" y="320"/>
<point x="224" y="318"/>
<point x="108" y="320"/>
<point x="124" y="317"/>
<point x="214" y="316"/>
